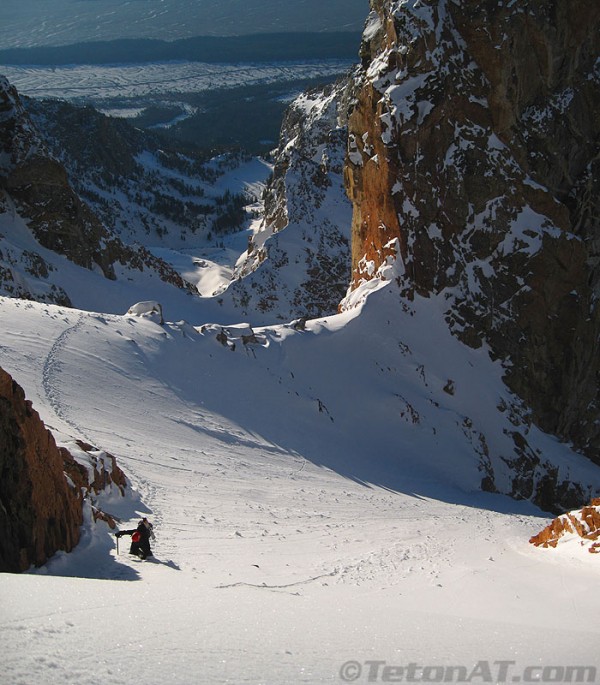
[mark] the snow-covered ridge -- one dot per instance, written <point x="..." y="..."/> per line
<point x="137" y="192"/>
<point x="297" y="261"/>
<point x="198" y="215"/>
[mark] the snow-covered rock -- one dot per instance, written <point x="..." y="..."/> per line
<point x="147" y="310"/>
<point x="40" y="513"/>
<point x="582" y="525"/>
<point x="298" y="260"/>
<point x="44" y="486"/>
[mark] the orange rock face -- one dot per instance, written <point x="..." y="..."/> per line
<point x="42" y="486"/>
<point x="472" y="143"/>
<point x="584" y="522"/>
<point x="40" y="512"/>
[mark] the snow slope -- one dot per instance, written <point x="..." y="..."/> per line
<point x="315" y="497"/>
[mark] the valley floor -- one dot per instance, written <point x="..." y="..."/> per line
<point x="269" y="567"/>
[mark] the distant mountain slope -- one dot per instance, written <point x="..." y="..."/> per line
<point x="197" y="105"/>
<point x="42" y="218"/>
<point x="141" y="187"/>
<point x="271" y="47"/>
<point x="136" y="190"/>
<point x="158" y="197"/>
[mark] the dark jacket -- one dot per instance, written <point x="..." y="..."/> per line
<point x="141" y="547"/>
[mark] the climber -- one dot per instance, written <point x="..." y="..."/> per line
<point x="140" y="538"/>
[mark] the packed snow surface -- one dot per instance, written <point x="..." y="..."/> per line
<point x="317" y="515"/>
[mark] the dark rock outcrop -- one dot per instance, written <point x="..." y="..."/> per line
<point x="42" y="486"/>
<point x="39" y="186"/>
<point x="40" y="513"/>
<point x="474" y="142"/>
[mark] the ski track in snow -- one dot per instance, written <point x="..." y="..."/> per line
<point x="51" y="374"/>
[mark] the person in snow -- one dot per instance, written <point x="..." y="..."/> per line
<point x="140" y="538"/>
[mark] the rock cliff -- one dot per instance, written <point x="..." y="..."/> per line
<point x="473" y="141"/>
<point x="42" y="487"/>
<point x="298" y="262"/>
<point x="40" y="513"/>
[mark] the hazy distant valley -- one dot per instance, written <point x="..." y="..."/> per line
<point x="208" y="74"/>
<point x="198" y="104"/>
